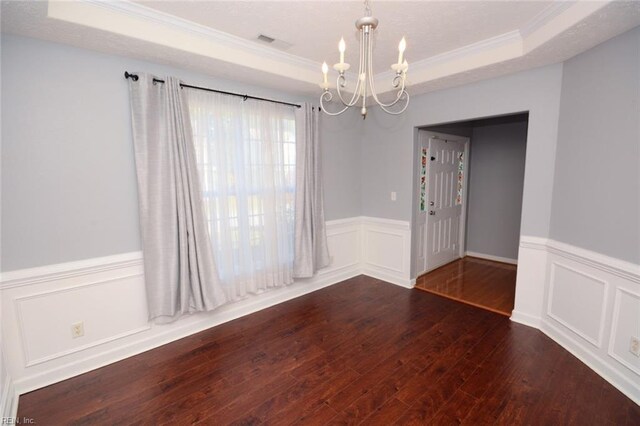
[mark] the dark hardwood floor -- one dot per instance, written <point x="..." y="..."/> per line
<point x="478" y="282"/>
<point x="362" y="351"/>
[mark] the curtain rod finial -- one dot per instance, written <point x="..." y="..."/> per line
<point x="132" y="76"/>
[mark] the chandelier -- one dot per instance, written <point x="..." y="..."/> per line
<point x="365" y="84"/>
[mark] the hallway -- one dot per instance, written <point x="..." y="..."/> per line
<point x="477" y="282"/>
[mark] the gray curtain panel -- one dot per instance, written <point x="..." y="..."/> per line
<point x="311" y="250"/>
<point x="180" y="273"/>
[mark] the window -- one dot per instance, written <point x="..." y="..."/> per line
<point x="246" y="155"/>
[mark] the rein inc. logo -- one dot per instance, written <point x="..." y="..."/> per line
<point x="18" y="421"/>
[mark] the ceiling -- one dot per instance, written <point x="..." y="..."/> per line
<point x="448" y="42"/>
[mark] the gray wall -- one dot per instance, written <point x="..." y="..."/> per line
<point x="596" y="192"/>
<point x="389" y="141"/>
<point x="496" y="180"/>
<point x="68" y="179"/>
<point x="340" y="144"/>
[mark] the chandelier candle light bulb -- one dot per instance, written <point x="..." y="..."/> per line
<point x="401" y="47"/>
<point x="365" y="84"/>
<point x="325" y="70"/>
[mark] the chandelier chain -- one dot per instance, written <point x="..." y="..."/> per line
<point x="367" y="8"/>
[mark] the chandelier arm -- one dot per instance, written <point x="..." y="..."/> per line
<point x="341" y="80"/>
<point x="396" y="82"/>
<point x="329" y="96"/>
<point x="399" y="111"/>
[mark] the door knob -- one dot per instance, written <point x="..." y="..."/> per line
<point x="431" y="203"/>
<point x="432" y="213"/>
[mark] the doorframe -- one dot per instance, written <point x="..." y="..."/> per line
<point x="463" y="216"/>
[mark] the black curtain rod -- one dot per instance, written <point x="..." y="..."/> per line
<point x="206" y="89"/>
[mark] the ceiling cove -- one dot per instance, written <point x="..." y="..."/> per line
<point x="561" y="30"/>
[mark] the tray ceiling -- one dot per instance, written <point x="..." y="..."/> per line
<point x="449" y="42"/>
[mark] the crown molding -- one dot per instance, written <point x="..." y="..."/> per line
<point x="144" y="23"/>
<point x="547" y="15"/>
<point x="555" y="20"/>
<point x="550" y="23"/>
<point x="494" y="49"/>
<point x="136" y="21"/>
<point x="139" y="11"/>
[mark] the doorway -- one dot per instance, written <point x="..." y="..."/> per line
<point x="468" y="209"/>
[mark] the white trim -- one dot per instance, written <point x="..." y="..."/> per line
<point x="63" y="277"/>
<point x="620" y="268"/>
<point x="614" y="329"/>
<point x="597" y="341"/>
<point x="491" y="257"/>
<point x="547" y="15"/>
<point x="526" y="319"/>
<point x="393" y="223"/>
<point x="131" y="20"/>
<point x="616" y="275"/>
<point x="390" y="278"/>
<point x="59" y="271"/>
<point x="139" y="11"/>
<point x="535" y="243"/>
<point x="462" y="226"/>
<point x="9" y="401"/>
<point x="591" y="360"/>
<point x="374" y="255"/>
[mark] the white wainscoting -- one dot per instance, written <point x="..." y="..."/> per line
<point x="386" y="250"/>
<point x="590" y="305"/>
<point x="107" y="294"/>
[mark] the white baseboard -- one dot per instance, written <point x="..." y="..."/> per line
<point x="600" y="365"/>
<point x="492" y="257"/>
<point x="588" y="302"/>
<point x="390" y="278"/>
<point x="526" y="319"/>
<point x="9" y="402"/>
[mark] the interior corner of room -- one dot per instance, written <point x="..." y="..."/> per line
<point x="506" y="186"/>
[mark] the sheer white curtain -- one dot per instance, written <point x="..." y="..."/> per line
<point x="246" y="159"/>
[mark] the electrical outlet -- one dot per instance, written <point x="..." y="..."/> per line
<point x="393" y="196"/>
<point x="634" y="346"/>
<point x="77" y="329"/>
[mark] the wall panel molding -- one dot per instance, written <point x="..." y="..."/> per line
<point x="386" y="250"/>
<point x="558" y="314"/>
<point x="616" y="332"/>
<point x="605" y="348"/>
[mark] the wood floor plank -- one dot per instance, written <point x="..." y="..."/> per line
<point x="359" y="352"/>
<point x="478" y="282"/>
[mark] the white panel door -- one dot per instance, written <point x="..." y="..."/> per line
<point x="444" y="201"/>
